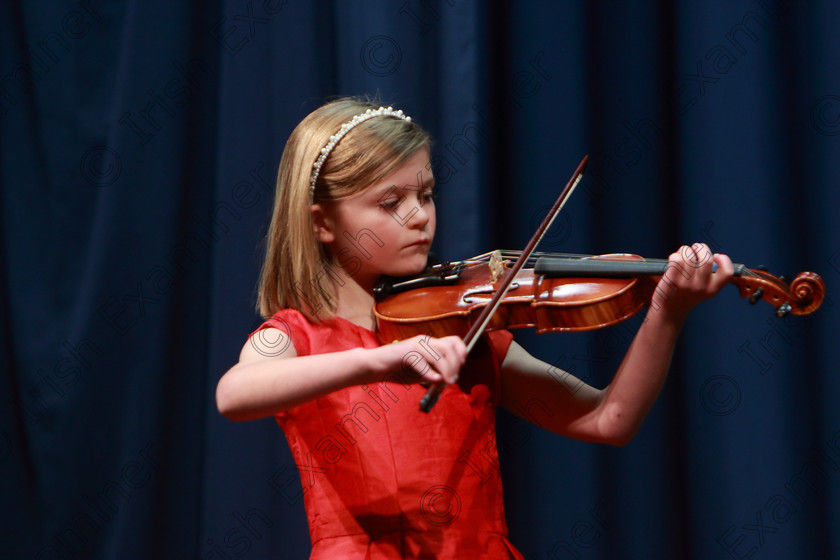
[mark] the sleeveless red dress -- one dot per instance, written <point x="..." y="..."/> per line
<point x="383" y="480"/>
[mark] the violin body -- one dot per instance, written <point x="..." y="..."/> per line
<point x="558" y="295"/>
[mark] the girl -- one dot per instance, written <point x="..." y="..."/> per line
<point x="380" y="478"/>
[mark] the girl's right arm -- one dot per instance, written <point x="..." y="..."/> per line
<point x="261" y="385"/>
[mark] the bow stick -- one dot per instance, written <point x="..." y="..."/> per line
<point x="477" y="328"/>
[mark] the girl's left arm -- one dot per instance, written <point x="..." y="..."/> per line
<point x="557" y="401"/>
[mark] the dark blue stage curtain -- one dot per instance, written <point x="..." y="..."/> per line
<point x="139" y="144"/>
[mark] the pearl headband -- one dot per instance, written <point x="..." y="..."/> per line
<point x="345" y="128"/>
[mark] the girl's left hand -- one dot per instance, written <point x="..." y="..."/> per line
<point x="694" y="275"/>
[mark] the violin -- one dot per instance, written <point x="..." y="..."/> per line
<point x="559" y="293"/>
<point x="556" y="293"/>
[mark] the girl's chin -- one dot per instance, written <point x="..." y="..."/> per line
<point x="408" y="269"/>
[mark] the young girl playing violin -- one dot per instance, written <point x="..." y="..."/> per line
<point x="380" y="478"/>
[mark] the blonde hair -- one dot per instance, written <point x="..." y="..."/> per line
<point x="297" y="272"/>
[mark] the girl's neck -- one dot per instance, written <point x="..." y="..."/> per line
<point x="355" y="304"/>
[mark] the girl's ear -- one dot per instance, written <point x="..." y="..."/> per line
<point x="322" y="225"/>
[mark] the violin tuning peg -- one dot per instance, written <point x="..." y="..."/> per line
<point x="756" y="296"/>
<point x="783" y="310"/>
<point x="783" y="278"/>
<point x="762" y="268"/>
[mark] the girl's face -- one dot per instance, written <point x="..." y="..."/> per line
<point x="387" y="229"/>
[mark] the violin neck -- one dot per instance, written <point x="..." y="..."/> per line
<point x="558" y="267"/>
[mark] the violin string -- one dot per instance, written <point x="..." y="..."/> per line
<point x="534" y="256"/>
<point x="740" y="269"/>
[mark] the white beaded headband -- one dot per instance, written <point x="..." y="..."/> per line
<point x="345" y="128"/>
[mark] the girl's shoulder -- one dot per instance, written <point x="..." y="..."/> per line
<point x="289" y="326"/>
<point x="283" y="318"/>
<point x="294" y="328"/>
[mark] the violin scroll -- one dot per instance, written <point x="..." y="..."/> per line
<point x="802" y="296"/>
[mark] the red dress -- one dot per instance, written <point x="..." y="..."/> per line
<point x="383" y="480"/>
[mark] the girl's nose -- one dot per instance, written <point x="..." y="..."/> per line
<point x="421" y="217"/>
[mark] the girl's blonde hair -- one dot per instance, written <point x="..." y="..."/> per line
<point x="298" y="272"/>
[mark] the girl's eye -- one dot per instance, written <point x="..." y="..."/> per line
<point x="390" y="203"/>
<point x="428" y="196"/>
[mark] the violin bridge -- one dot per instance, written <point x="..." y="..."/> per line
<point x="496" y="264"/>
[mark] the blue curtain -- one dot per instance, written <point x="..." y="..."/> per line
<point x="139" y="144"/>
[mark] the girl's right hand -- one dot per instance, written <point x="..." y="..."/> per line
<point x="425" y="359"/>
